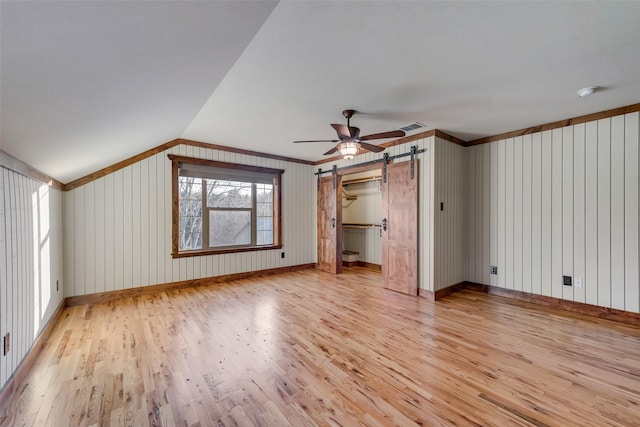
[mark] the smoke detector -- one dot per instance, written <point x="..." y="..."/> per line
<point x="586" y="91"/>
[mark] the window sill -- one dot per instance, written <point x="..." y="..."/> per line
<point x="184" y="254"/>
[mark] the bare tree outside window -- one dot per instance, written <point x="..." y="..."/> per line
<point x="229" y="206"/>
<point x="190" y="213"/>
<point x="230" y="218"/>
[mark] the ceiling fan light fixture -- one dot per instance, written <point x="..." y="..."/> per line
<point x="348" y="149"/>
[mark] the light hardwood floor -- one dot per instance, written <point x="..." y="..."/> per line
<point x="310" y="348"/>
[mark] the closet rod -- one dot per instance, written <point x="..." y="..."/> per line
<point x="361" y="180"/>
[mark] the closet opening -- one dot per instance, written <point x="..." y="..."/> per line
<point x="394" y="248"/>
<point x="361" y="200"/>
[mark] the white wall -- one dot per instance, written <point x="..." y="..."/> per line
<point x="118" y="228"/>
<point x="450" y="227"/>
<point x="559" y="202"/>
<point x="30" y="263"/>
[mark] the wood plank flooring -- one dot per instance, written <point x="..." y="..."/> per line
<point x="309" y="348"/>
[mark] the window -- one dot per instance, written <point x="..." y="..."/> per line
<point x="223" y="207"/>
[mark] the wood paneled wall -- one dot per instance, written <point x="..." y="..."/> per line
<point x="30" y="263"/>
<point x="118" y="227"/>
<point x="559" y="202"/>
<point x="425" y="199"/>
<point x="450" y="213"/>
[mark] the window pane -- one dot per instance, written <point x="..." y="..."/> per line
<point x="264" y="214"/>
<point x="229" y="228"/>
<point x="190" y="208"/>
<point x="264" y="193"/>
<point x="190" y="225"/>
<point x="265" y="209"/>
<point x="190" y="241"/>
<point x="265" y="237"/>
<point x="190" y="188"/>
<point x="264" y="223"/>
<point x="190" y="205"/>
<point x="228" y="194"/>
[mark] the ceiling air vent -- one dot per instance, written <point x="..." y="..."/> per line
<point x="412" y="126"/>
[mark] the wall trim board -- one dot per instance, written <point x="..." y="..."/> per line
<point x="363" y="264"/>
<point x="242" y="151"/>
<point x="426" y="294"/>
<point x="171" y="286"/>
<point x="18" y="166"/>
<point x="163" y="147"/>
<point x="23" y="369"/>
<point x="613" y="314"/>
<point x="442" y="135"/>
<point x="559" y="124"/>
<point x="117" y="166"/>
<point x="441" y="293"/>
<point x="370" y="266"/>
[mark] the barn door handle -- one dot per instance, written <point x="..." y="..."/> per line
<point x="333" y="223"/>
<point x="384" y="224"/>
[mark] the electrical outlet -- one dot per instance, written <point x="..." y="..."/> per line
<point x="281" y="254"/>
<point x="493" y="269"/>
<point x="7" y="344"/>
<point x="57" y="286"/>
<point x="578" y="282"/>
<point x="566" y="280"/>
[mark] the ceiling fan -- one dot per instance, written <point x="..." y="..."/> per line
<point x="350" y="141"/>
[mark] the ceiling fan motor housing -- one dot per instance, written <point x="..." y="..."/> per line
<point x="348" y="113"/>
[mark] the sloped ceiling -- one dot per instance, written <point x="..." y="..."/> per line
<point x="87" y="84"/>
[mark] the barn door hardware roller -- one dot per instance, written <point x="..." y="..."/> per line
<point x="413" y="155"/>
<point x="384" y="160"/>
<point x="334" y="173"/>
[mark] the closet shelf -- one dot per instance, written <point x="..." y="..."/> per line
<point x="353" y="225"/>
<point x="361" y="180"/>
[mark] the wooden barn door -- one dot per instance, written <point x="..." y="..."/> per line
<point x="400" y="228"/>
<point x="330" y="225"/>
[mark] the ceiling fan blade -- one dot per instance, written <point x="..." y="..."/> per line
<point x="317" y="140"/>
<point x="382" y="135"/>
<point x="371" y="147"/>
<point x="333" y="150"/>
<point x="346" y="132"/>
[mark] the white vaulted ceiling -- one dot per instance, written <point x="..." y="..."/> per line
<point x="87" y="84"/>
